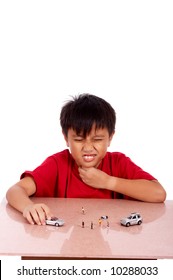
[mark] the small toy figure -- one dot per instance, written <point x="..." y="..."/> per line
<point x="83" y="224"/>
<point x="100" y="222"/>
<point x="83" y="211"/>
<point x="91" y="225"/>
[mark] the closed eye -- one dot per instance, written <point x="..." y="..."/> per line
<point x="98" y="139"/>
<point x="78" y="139"/>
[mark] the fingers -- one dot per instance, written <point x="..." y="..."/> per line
<point x="37" y="213"/>
<point x="86" y="173"/>
<point x="80" y="171"/>
<point x="83" y="171"/>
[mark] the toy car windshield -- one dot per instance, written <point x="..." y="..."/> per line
<point x="54" y="218"/>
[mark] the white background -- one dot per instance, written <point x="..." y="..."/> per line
<point x="118" y="50"/>
<point x="15" y="264"/>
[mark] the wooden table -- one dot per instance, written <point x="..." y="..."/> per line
<point x="153" y="239"/>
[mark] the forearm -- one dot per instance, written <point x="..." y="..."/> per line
<point x="18" y="198"/>
<point x="140" y="189"/>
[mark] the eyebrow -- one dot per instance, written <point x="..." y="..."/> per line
<point x="94" y="136"/>
<point x="99" y="135"/>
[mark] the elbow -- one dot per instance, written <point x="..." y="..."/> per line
<point x="161" y="195"/>
<point x="7" y="195"/>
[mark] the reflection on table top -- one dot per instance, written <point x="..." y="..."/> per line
<point x="153" y="239"/>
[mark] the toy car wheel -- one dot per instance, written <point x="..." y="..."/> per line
<point x="139" y="222"/>
<point x="128" y="224"/>
<point x="57" y="225"/>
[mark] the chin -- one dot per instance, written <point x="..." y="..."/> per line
<point x="90" y="164"/>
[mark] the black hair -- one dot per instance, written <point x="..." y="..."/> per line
<point x="83" y="111"/>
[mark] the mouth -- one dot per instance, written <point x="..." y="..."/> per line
<point x="89" y="158"/>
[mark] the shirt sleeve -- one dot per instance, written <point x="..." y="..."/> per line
<point x="129" y="170"/>
<point x="45" y="177"/>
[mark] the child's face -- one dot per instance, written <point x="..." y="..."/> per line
<point x="89" y="151"/>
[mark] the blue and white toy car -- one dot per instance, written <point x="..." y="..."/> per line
<point x="104" y="217"/>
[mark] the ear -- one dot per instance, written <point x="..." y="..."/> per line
<point x="110" y="138"/>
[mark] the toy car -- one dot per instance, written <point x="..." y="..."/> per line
<point x="54" y="221"/>
<point x="133" y="219"/>
<point x="104" y="217"/>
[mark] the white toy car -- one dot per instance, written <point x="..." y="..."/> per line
<point x="54" y="221"/>
<point x="133" y="219"/>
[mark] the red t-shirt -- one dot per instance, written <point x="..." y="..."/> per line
<point x="58" y="176"/>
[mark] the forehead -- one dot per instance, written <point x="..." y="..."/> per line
<point x="94" y="132"/>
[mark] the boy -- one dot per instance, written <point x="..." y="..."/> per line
<point x="86" y="169"/>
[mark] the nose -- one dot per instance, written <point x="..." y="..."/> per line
<point x="88" y="147"/>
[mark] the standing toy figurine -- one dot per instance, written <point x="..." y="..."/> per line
<point x="83" y="224"/>
<point x="83" y="211"/>
<point x="100" y="222"/>
<point x="91" y="225"/>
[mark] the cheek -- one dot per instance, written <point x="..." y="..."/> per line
<point x="104" y="146"/>
<point x="74" y="148"/>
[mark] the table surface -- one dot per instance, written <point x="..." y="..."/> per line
<point x="153" y="239"/>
